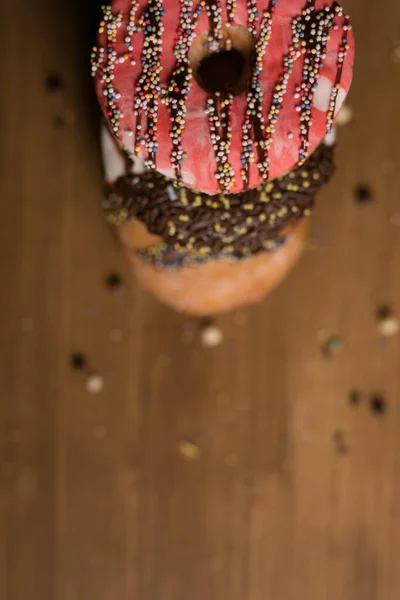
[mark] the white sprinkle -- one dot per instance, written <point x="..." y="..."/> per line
<point x="211" y="336"/>
<point x="94" y="383"/>
<point x="330" y="138"/>
<point x="389" y="326"/>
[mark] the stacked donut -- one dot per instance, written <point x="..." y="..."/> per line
<point x="215" y="112"/>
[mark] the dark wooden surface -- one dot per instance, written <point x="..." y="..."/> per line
<point x="96" y="502"/>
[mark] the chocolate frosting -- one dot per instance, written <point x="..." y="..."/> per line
<point x="238" y="225"/>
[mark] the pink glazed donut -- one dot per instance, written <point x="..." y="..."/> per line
<point x="222" y="95"/>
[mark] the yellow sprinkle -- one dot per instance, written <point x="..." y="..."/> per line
<point x="184" y="199"/>
<point x="197" y="201"/>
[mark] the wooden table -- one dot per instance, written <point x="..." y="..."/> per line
<point x="295" y="494"/>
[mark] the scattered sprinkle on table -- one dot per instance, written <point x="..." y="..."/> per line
<point x="332" y="346"/>
<point x="363" y="194"/>
<point x="188" y="449"/>
<point x="388" y="322"/>
<point x="378" y="404"/>
<point x="114" y="280"/>
<point x="389" y="326"/>
<point x="94" y="383"/>
<point x="78" y="361"/>
<point x="211" y="335"/>
<point x="354" y="397"/>
<point x="54" y="82"/>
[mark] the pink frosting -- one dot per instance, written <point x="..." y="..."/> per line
<point x="199" y="168"/>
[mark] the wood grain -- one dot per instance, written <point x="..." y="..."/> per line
<point x="95" y="499"/>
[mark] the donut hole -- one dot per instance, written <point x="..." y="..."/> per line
<point x="221" y="72"/>
<point x="227" y="69"/>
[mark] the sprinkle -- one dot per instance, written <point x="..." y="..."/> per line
<point x="172" y="195"/>
<point x="211" y="335"/>
<point x="78" y="361"/>
<point x="181" y="81"/>
<point x="354" y="397"/>
<point x="188" y="449"/>
<point x="254" y="122"/>
<point x="378" y="405"/>
<point x="54" y="82"/>
<point x="330" y="138"/>
<point x="388" y="323"/>
<point x="363" y="194"/>
<point x="94" y="383"/>
<point x="219" y="111"/>
<point x="332" y="346"/>
<point x="114" y="280"/>
<point x="342" y="53"/>
<point x="148" y="91"/>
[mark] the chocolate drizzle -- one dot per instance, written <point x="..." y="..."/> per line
<point x="104" y="60"/>
<point x="180" y="82"/>
<point x="148" y="93"/>
<point x="230" y="11"/>
<point x="239" y="225"/>
<point x="131" y="28"/>
<point x="254" y="119"/>
<point x="343" y="49"/>
<point x="214" y="13"/>
<point x="219" y="111"/>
